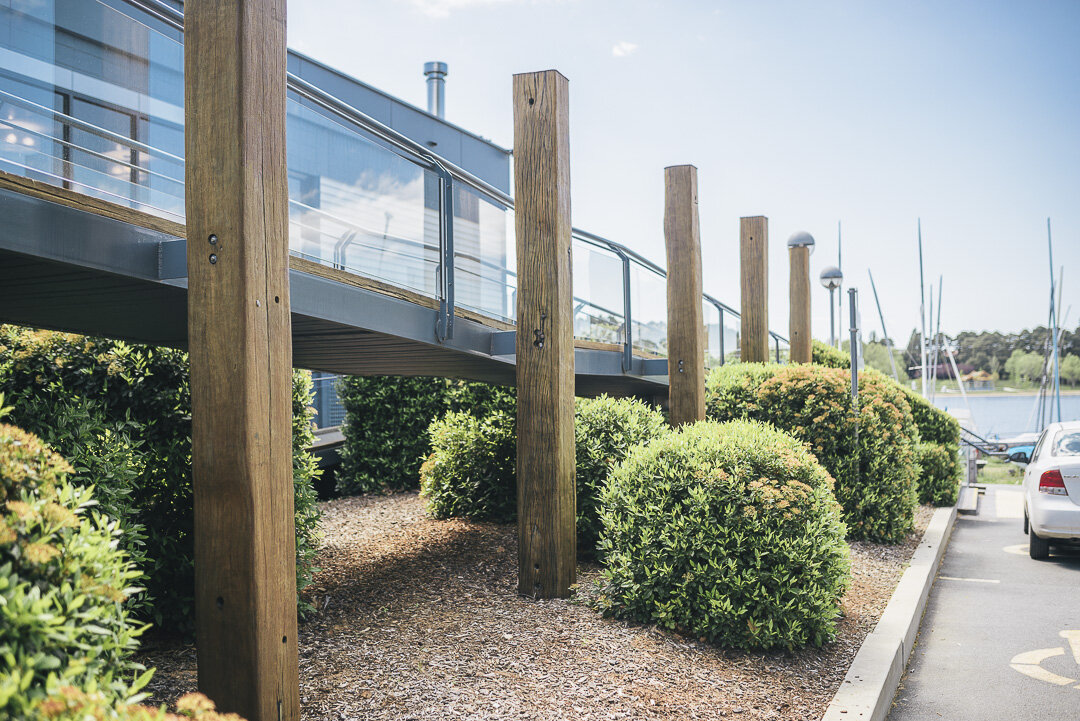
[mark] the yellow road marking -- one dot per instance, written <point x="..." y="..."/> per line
<point x="1020" y="549"/>
<point x="1073" y="637"/>
<point x="970" y="580"/>
<point x="1028" y="662"/>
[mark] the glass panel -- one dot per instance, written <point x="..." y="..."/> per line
<point x="782" y="350"/>
<point x="731" y="337"/>
<point x="598" y="293"/>
<point x="648" y="310"/>
<point x="91" y="99"/>
<point x="711" y="316"/>
<point x="357" y="206"/>
<point x="482" y="255"/>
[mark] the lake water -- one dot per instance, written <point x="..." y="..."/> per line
<point x="1006" y="416"/>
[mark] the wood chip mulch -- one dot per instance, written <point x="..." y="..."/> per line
<point x="420" y="619"/>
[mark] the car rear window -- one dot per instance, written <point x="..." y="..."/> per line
<point x="1066" y="443"/>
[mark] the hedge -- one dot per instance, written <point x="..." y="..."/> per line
<point x="939" y="473"/>
<point x="823" y="354"/>
<point x="471" y="472"/>
<point x="725" y="532"/>
<point x="121" y="412"/>
<point x="875" y="476"/>
<point x="64" y="583"/>
<point x="386" y="422"/>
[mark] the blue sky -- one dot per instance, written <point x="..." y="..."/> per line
<point x="870" y="113"/>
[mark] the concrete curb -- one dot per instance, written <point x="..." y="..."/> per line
<point x="870" y="685"/>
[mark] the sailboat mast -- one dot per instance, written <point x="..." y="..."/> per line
<point x="922" y="312"/>
<point x="937" y="331"/>
<point x="888" y="340"/>
<point x="1053" y="321"/>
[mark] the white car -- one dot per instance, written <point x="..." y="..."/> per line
<point x="1052" y="489"/>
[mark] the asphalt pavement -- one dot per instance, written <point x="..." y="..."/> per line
<point x="1001" y="634"/>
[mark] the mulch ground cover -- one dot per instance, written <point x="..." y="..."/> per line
<point x="420" y="619"/>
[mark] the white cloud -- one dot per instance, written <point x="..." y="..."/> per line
<point x="623" y="48"/>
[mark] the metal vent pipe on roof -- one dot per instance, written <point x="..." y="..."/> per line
<point x="435" y="72"/>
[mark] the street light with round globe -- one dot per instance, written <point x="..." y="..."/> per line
<point x="831" y="278"/>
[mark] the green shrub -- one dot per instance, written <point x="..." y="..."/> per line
<point x="939" y="473"/>
<point x="472" y="470"/>
<point x="605" y="431"/>
<point x="63" y="583"/>
<point x="823" y="354"/>
<point x="876" y="475"/>
<point x="386" y="422"/>
<point x="90" y="398"/>
<point x="935" y="425"/>
<point x="68" y="703"/>
<point x="727" y="532"/>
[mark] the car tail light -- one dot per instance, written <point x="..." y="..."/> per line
<point x="1051" y="482"/>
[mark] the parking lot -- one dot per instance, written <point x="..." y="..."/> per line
<point x="1001" y="634"/>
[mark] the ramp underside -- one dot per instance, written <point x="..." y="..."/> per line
<point x="67" y="269"/>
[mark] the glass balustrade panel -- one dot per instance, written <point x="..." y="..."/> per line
<point x="710" y="315"/>
<point x="648" y="310"/>
<point x="483" y="240"/>
<point x="598" y="293"/>
<point x="91" y="100"/>
<point x="731" y="332"/>
<point x="358" y="207"/>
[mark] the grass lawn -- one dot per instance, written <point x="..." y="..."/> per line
<point x="997" y="470"/>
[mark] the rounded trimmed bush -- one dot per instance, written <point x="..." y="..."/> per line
<point x="386" y="423"/>
<point x="935" y="425"/>
<point x="727" y="532"/>
<point x="875" y="475"/>
<point x="472" y="471"/>
<point x="605" y="431"/>
<point x="939" y="476"/>
<point x="64" y="584"/>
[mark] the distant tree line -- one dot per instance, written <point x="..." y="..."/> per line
<point x="1006" y="356"/>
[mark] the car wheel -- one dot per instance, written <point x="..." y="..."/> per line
<point x="1025" y="523"/>
<point x="1038" y="548"/>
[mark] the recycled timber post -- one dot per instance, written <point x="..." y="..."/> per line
<point x="547" y="504"/>
<point x="685" y="327"/>
<point x="239" y="338"/>
<point x="799" y="246"/>
<point x="754" y="257"/>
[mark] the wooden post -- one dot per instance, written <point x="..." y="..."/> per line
<point x="239" y="340"/>
<point x="547" y="501"/>
<point x="799" y="291"/>
<point x="754" y="256"/>
<point x="686" y="342"/>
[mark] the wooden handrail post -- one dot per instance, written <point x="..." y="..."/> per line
<point x="239" y="340"/>
<point x="685" y="326"/>
<point x="547" y="501"/>
<point x="799" y="247"/>
<point x="754" y="257"/>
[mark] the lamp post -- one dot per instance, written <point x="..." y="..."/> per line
<point x="800" y="246"/>
<point x="831" y="278"/>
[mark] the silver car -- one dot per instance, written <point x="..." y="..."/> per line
<point x="1052" y="489"/>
